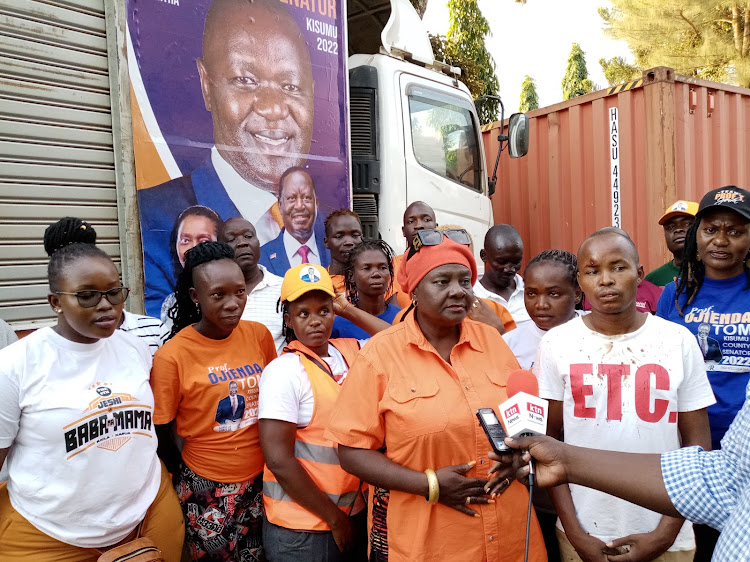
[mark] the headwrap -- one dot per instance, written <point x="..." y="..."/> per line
<point x="427" y="258"/>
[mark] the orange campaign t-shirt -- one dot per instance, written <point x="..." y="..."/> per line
<point x="502" y="313"/>
<point x="210" y="388"/>
<point x="401" y="394"/>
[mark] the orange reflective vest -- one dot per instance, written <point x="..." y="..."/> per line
<point x="317" y="455"/>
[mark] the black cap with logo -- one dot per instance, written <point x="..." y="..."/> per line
<point x="729" y="197"/>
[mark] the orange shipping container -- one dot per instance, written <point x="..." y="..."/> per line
<point x="622" y="155"/>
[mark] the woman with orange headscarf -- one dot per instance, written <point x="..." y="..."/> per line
<point x="405" y="421"/>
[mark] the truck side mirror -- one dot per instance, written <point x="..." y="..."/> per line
<point x="518" y="135"/>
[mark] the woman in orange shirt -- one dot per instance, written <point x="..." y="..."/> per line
<point x="405" y="421"/>
<point x="205" y="381"/>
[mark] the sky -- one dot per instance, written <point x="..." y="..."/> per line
<point x="535" y="39"/>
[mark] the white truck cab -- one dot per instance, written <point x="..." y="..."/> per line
<point x="415" y="135"/>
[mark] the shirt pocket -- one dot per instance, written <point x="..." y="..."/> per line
<point x="499" y="380"/>
<point x="417" y="407"/>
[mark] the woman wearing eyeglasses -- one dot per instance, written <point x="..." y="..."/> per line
<point x="76" y="421"/>
<point x="405" y="420"/>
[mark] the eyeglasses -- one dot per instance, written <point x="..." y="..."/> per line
<point x="91" y="297"/>
<point x="431" y="237"/>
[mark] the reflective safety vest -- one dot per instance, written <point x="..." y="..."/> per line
<point x="317" y="454"/>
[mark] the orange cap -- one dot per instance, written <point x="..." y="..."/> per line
<point x="687" y="208"/>
<point x="304" y="278"/>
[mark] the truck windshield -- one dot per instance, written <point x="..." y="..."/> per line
<point x="444" y="137"/>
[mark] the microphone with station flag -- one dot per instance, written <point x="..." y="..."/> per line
<point x="524" y="414"/>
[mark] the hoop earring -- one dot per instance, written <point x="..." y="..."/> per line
<point x="414" y="301"/>
<point x="197" y="307"/>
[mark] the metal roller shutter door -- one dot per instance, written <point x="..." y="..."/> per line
<point x="56" y="147"/>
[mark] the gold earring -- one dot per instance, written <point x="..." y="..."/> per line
<point x="697" y="256"/>
<point x="413" y="301"/>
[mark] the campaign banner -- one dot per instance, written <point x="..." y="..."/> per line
<point x="239" y="110"/>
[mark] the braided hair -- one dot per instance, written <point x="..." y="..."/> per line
<point x="67" y="241"/>
<point x="693" y="270"/>
<point x="184" y="312"/>
<point x="197" y="211"/>
<point x="286" y="330"/>
<point x="377" y="245"/>
<point x="565" y="259"/>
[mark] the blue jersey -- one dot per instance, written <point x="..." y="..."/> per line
<point x="343" y="328"/>
<point x="719" y="316"/>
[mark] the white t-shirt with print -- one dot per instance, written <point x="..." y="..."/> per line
<point x="78" y="421"/>
<point x="285" y="392"/>
<point x="622" y="393"/>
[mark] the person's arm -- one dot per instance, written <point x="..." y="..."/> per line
<point x="277" y="442"/>
<point x="694" y="430"/>
<point x="369" y="323"/>
<point x="588" y="547"/>
<point x="634" y="477"/>
<point x="375" y="468"/>
<point x="166" y="448"/>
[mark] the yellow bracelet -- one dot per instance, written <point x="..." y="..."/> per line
<point x="433" y="486"/>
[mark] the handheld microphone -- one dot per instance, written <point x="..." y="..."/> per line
<point x="524" y="413"/>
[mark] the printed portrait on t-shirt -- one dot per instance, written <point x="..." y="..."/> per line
<point x="710" y="347"/>
<point x="230" y="410"/>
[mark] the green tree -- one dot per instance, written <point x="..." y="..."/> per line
<point x="703" y="38"/>
<point x="420" y="6"/>
<point x="617" y="70"/>
<point x="466" y="34"/>
<point x="449" y="52"/>
<point x="576" y="80"/>
<point x="529" y="97"/>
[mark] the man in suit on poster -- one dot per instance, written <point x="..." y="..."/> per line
<point x="302" y="238"/>
<point x="256" y="80"/>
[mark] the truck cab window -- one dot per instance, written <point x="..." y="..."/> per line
<point x="444" y="137"/>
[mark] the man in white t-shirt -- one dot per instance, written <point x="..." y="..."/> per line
<point x="621" y="380"/>
<point x="502" y="255"/>
<point x="263" y="287"/>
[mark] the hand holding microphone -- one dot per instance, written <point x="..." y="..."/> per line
<point x="524" y="414"/>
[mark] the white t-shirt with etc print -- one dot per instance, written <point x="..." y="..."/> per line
<point x="78" y="421"/>
<point x="622" y="393"/>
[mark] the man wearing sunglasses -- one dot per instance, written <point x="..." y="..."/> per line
<point x="502" y="255"/>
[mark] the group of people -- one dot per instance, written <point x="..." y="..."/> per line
<point x="330" y="414"/>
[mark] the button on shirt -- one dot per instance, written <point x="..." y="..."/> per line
<point x="514" y="304"/>
<point x="261" y="306"/>
<point x="292" y="246"/>
<point x="713" y="487"/>
<point x="402" y="394"/>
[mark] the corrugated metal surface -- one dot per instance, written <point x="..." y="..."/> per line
<point x="56" y="155"/>
<point x="678" y="138"/>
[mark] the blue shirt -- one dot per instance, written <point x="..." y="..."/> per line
<point x="713" y="487"/>
<point x="343" y="328"/>
<point x="719" y="317"/>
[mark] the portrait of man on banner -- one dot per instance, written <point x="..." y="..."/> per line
<point x="256" y="81"/>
